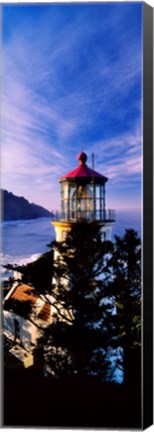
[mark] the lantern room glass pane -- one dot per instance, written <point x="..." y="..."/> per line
<point x="64" y="200"/>
<point x="64" y="190"/>
<point x="82" y="203"/>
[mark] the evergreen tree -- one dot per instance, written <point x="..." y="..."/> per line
<point x="78" y="340"/>
<point x="126" y="288"/>
<point x="37" y="273"/>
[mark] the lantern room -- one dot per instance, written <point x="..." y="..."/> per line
<point x="83" y="194"/>
<point x="83" y="199"/>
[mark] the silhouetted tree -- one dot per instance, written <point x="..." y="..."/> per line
<point x="21" y="308"/>
<point x="126" y="288"/>
<point x="78" y="340"/>
<point x="37" y="273"/>
<point x="96" y="299"/>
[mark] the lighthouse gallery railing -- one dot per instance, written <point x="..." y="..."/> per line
<point x="81" y="215"/>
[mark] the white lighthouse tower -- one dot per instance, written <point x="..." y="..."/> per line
<point x="83" y="199"/>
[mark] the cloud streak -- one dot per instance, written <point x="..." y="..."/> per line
<point x="70" y="80"/>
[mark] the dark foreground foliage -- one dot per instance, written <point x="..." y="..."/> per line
<point x="37" y="273"/>
<point x="74" y="398"/>
<point x="84" y="340"/>
<point x="81" y="331"/>
<point x="34" y="401"/>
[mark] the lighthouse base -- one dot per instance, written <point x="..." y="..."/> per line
<point x="63" y="227"/>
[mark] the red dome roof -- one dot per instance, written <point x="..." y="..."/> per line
<point x="84" y="172"/>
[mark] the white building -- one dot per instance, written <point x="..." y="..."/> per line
<point x="21" y="330"/>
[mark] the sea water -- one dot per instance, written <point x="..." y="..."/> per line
<point x="24" y="241"/>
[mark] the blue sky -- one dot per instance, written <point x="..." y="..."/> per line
<point x="72" y="81"/>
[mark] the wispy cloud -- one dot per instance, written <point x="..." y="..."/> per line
<point x="70" y="79"/>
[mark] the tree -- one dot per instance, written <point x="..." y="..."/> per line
<point x="126" y="288"/>
<point x="96" y="299"/>
<point x="77" y="341"/>
<point x="37" y="273"/>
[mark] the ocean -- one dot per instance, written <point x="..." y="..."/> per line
<point x="24" y="240"/>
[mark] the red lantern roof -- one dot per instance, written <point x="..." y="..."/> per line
<point x="84" y="172"/>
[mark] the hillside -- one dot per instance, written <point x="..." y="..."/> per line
<point x="17" y="208"/>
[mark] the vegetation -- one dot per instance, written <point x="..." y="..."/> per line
<point x="81" y="329"/>
<point x="19" y="307"/>
<point x="37" y="273"/>
<point x="96" y="316"/>
<point x="126" y="289"/>
<point x="96" y="293"/>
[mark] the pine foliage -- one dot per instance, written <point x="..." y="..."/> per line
<point x="81" y="330"/>
<point x="126" y="289"/>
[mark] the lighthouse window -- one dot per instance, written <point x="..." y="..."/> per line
<point x="65" y="197"/>
<point x="64" y="191"/>
<point x="82" y="203"/>
<point x="16" y="331"/>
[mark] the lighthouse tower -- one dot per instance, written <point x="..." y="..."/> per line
<point x="83" y="199"/>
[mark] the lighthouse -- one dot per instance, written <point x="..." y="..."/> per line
<point x="83" y="198"/>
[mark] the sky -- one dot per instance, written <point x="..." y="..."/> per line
<point x="72" y="82"/>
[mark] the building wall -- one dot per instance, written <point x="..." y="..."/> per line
<point x="28" y="331"/>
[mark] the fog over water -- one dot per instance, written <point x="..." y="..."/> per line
<point x="23" y="241"/>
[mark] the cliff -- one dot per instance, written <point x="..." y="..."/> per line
<point x="16" y="208"/>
